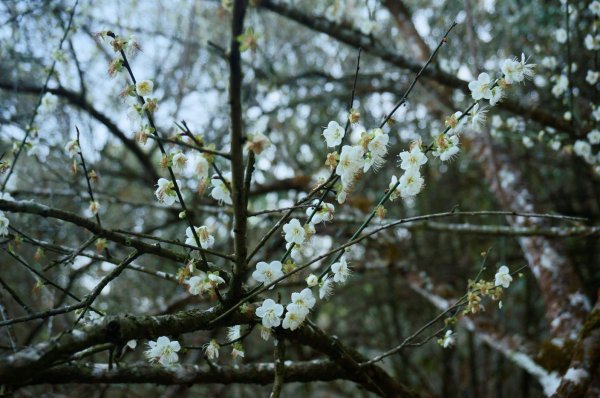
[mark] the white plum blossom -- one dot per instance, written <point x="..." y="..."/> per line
<point x="527" y="142"/>
<point x="4" y="223"/>
<point x="334" y="133"/>
<point x="351" y="161"/>
<point x="446" y="146"/>
<point x="482" y="87"/>
<point x="594" y="137"/>
<point x="48" y="104"/>
<point x="413" y="159"/>
<point x="477" y="117"/>
<point x="203" y="283"/>
<point x="497" y="95"/>
<point x="207" y="241"/>
<point x="179" y="161"/>
<point x="560" y="86"/>
<point x="201" y="167"/>
<point x="549" y="62"/>
<point x="234" y="333"/>
<point x="592" y="77"/>
<point x="165" y="193"/>
<point x="94" y="207"/>
<point x="220" y="192"/>
<point x="294" y="317"/>
<point x="595" y="7"/>
<point x="516" y="71"/>
<point x="411" y="183"/>
<point x="325" y="288"/>
<point x="592" y="42"/>
<point x="560" y="35"/>
<point x="211" y="349"/>
<point x="72" y="147"/>
<point x="237" y="351"/>
<point x="377" y="147"/>
<point x="268" y="272"/>
<point x="163" y="351"/>
<point x="304" y="299"/>
<point x="340" y="270"/>
<point x="257" y="143"/>
<point x="449" y="339"/>
<point x="324" y="213"/>
<point x="312" y="280"/>
<point x="144" y="88"/>
<point x="294" y="232"/>
<point x="582" y="148"/>
<point x="132" y="344"/>
<point x="502" y="277"/>
<point x="270" y="312"/>
<point x="394" y="187"/>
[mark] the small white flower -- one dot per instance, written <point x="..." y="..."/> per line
<point x="198" y="285"/>
<point x="4" y="223"/>
<point x="446" y="146"/>
<point x="165" y="193"/>
<point x="350" y="163"/>
<point x="258" y="143"/>
<point x="268" y="272"/>
<point x="334" y="133"/>
<point x="497" y="95"/>
<point x="207" y="241"/>
<point x="527" y="142"/>
<point x="411" y="183"/>
<point x="595" y="7"/>
<point x="265" y="333"/>
<point x="294" y="232"/>
<point x="202" y="167"/>
<point x="594" y="137"/>
<point x="211" y="349"/>
<point x="481" y="88"/>
<point x="324" y="213"/>
<point x="132" y="344"/>
<point x="72" y="148"/>
<point x="270" y="312"/>
<point x="94" y="207"/>
<point x="560" y="35"/>
<point x="477" y="117"/>
<point x="234" y="333"/>
<point x="325" y="288"/>
<point x="449" y="339"/>
<point x="561" y="85"/>
<point x="503" y="277"/>
<point x="312" y="280"/>
<point x="340" y="270"/>
<point x="592" y="77"/>
<point x="48" y="104"/>
<point x="144" y="88"/>
<point x="377" y="147"/>
<point x="237" y="351"/>
<point x="163" y="351"/>
<point x="510" y="70"/>
<point x="304" y="299"/>
<point x="413" y="159"/>
<point x="179" y="162"/>
<point x="582" y="148"/>
<point x="591" y="42"/>
<point x="220" y="191"/>
<point x="396" y="193"/>
<point x="294" y="317"/>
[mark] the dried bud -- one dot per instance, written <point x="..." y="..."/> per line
<point x="354" y="116"/>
